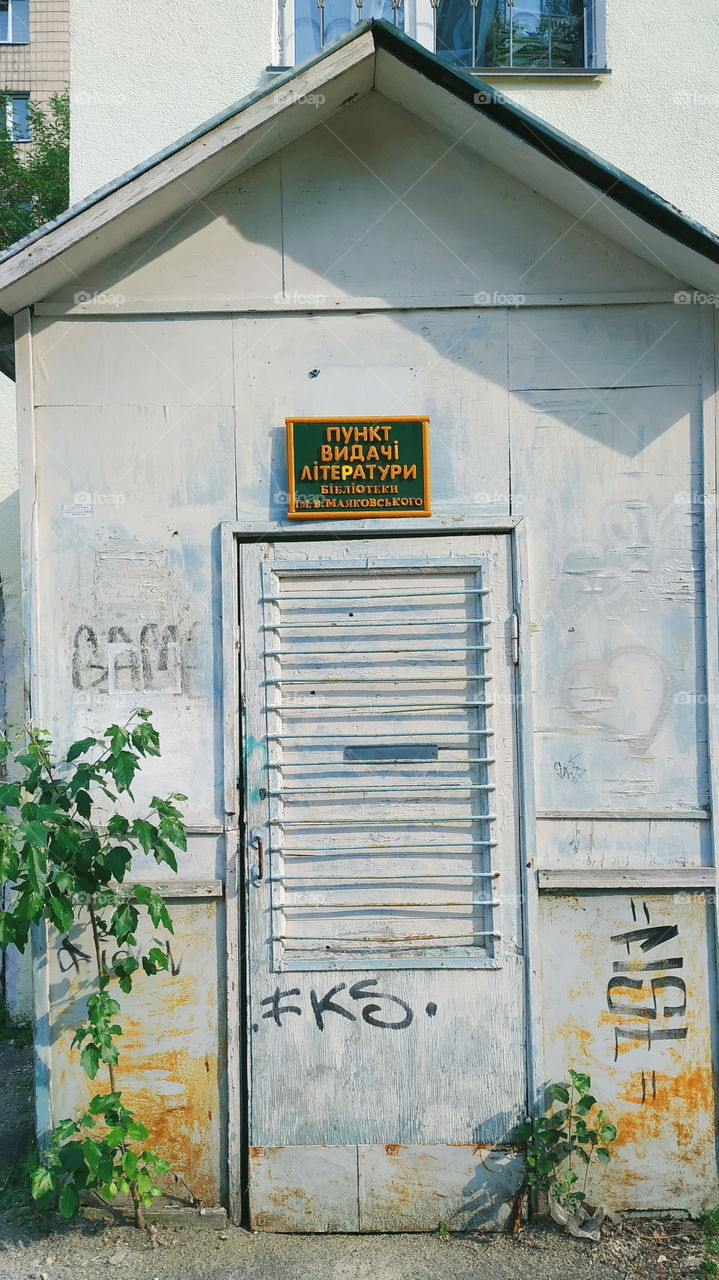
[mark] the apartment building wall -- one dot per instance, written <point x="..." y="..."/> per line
<point x="41" y="67"/>
<point x="144" y="77"/>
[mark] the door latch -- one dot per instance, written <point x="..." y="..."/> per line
<point x="256" y="842"/>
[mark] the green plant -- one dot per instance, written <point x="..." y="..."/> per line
<point x="710" y="1229"/>
<point x="66" y="865"/>
<point x="572" y="1134"/>
<point x="34" y="179"/>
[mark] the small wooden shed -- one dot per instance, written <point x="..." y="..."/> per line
<point x="449" y="759"/>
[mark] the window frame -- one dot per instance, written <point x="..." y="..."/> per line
<point x="11" y="20"/>
<point x="420" y="26"/>
<point x="11" y="98"/>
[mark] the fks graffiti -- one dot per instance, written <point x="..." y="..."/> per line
<point x="375" y="1015"/>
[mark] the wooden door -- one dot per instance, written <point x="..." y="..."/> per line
<point x="385" y="1033"/>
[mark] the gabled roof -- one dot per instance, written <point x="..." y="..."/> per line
<point x="374" y="55"/>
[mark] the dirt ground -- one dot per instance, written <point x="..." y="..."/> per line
<point x="45" y="1248"/>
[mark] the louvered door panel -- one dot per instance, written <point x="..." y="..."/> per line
<point x="380" y="765"/>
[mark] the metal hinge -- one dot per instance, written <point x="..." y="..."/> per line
<point x="515" y="639"/>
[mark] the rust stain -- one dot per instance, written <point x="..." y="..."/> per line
<point x="682" y="1103"/>
<point x="392" y="1148"/>
<point x="582" y="1040"/>
<point x="168" y="1070"/>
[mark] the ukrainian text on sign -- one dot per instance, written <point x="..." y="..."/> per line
<point x="341" y="468"/>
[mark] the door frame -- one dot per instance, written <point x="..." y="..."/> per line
<point x="231" y="534"/>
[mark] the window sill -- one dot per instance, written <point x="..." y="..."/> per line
<point x="14" y="44"/>
<point x="540" y="73"/>
<point x="510" y="73"/>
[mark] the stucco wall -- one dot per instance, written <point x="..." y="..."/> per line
<point x="142" y="77"/>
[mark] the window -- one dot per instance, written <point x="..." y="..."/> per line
<point x="306" y="26"/>
<point x="14" y="22"/>
<point x="17" y="117"/>
<point x="512" y="33"/>
<point x="489" y="35"/>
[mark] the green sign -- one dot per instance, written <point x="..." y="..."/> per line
<point x="355" y="468"/>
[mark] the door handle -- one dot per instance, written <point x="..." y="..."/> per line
<point x="256" y="842"/>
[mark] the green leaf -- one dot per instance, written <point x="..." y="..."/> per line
<point x="10" y="795"/>
<point x="559" y="1092"/>
<point x="144" y="1182"/>
<point x="163" y="853"/>
<point x="136" y="1131"/>
<point x="174" y="832"/>
<point x="117" y="737"/>
<point x="83" y="800"/>
<point x="103" y="1102"/>
<point x="123" y="969"/>
<point x="61" y="912"/>
<point x="124" y="921"/>
<point x="123" y="768"/>
<point x="93" y="1154"/>
<point x="7" y="929"/>
<point x="118" y="826"/>
<point x="69" y="1201"/>
<point x="117" y="861"/>
<point x="603" y="1155"/>
<point x="71" y="1156"/>
<point x="145" y="833"/>
<point x="580" y="1081"/>
<point x="129" y="1163"/>
<point x="42" y="1180"/>
<point x="90" y="1060"/>
<point x="584" y="1105"/>
<point x="608" y="1132"/>
<point x="79" y="748"/>
<point x="35" y="866"/>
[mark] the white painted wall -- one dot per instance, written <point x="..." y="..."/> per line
<point x="18" y="976"/>
<point x="143" y="76"/>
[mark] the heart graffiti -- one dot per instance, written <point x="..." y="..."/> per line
<point x="627" y="694"/>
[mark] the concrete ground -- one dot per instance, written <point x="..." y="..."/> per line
<point x="93" y="1252"/>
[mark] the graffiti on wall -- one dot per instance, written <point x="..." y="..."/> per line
<point x="150" y="658"/>
<point x="642" y="558"/>
<point x="387" y="1017"/>
<point x="70" y="956"/>
<point x="649" y="991"/>
<point x="136" y="635"/>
